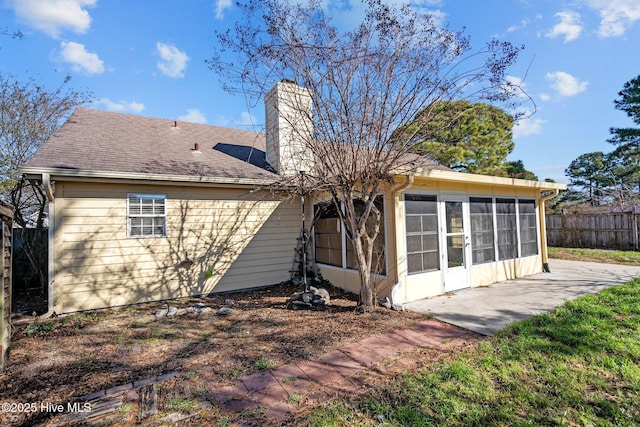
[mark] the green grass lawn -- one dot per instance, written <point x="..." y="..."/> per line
<point x="597" y="255"/>
<point x="579" y="365"/>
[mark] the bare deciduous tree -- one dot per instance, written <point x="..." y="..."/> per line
<point x="365" y="82"/>
<point x="29" y="114"/>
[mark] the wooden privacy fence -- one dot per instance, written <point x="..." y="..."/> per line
<point x="6" y="230"/>
<point x="609" y="230"/>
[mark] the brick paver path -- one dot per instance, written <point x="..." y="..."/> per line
<point x="278" y="393"/>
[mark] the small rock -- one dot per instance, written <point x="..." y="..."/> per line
<point x="193" y="310"/>
<point x="205" y="310"/>
<point x="162" y="312"/>
<point x="181" y="312"/>
<point x="224" y="311"/>
<point x="307" y="296"/>
<point x="386" y="303"/>
<point x="229" y="302"/>
<point x="296" y="296"/>
<point x="397" y="307"/>
<point x="324" y="294"/>
<point x="172" y="311"/>
<point x="132" y="396"/>
<point x="198" y="305"/>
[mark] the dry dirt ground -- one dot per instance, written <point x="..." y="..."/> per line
<point x="56" y="361"/>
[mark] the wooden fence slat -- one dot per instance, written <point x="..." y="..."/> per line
<point x="611" y="230"/>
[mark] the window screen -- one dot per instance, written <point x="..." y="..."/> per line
<point x="328" y="235"/>
<point x="146" y="215"/>
<point x="331" y="241"/>
<point x="528" y="228"/>
<point x="506" y="226"/>
<point x="421" y="221"/>
<point x="482" y="240"/>
<point x="378" y="262"/>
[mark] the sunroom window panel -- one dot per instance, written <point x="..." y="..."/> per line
<point x="378" y="262"/>
<point x="421" y="220"/>
<point x="328" y="235"/>
<point x="414" y="224"/>
<point x="414" y="244"/>
<point x="528" y="227"/>
<point x="331" y="242"/>
<point x="482" y="240"/>
<point x="506" y="223"/>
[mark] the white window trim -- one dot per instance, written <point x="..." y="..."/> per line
<point x="129" y="216"/>
<point x="493" y="197"/>
<point x="438" y="196"/>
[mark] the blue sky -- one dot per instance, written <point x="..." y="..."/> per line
<point x="148" y="57"/>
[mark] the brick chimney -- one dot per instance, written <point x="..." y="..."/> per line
<point x="289" y="128"/>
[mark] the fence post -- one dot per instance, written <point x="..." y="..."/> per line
<point x="635" y="229"/>
<point x="6" y="224"/>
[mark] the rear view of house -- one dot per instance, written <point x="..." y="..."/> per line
<point x="145" y="209"/>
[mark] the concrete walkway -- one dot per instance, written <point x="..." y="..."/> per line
<point x="486" y="310"/>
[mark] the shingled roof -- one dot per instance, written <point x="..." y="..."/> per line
<point x="98" y="141"/>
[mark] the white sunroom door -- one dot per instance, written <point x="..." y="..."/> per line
<point x="456" y="254"/>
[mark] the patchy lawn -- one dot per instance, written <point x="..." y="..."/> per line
<point x="596" y="255"/>
<point x="579" y="365"/>
<point x="58" y="360"/>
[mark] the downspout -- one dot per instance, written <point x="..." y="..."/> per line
<point x="48" y="189"/>
<point x="396" y="289"/>
<point x="543" y="230"/>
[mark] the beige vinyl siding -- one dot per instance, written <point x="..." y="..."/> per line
<point x="245" y="239"/>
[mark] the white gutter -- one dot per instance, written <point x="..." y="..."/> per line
<point x="453" y="176"/>
<point x="85" y="175"/>
<point x="48" y="189"/>
<point x="543" y="230"/>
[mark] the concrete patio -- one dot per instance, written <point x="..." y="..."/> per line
<point x="486" y="310"/>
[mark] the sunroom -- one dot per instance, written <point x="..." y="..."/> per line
<point x="443" y="231"/>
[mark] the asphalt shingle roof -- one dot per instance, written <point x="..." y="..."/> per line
<point x="99" y="141"/>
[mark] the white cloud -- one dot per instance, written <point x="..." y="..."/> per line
<point x="570" y="26"/>
<point x="193" y="116"/>
<point x="516" y="87"/>
<point x="221" y="7"/>
<point x="173" y="61"/>
<point x="545" y="96"/>
<point x="523" y="24"/>
<point x="54" y="16"/>
<point x="616" y="16"/>
<point x="81" y="59"/>
<point x="565" y="84"/>
<point x="245" y="120"/>
<point x="527" y="125"/>
<point x="121" y="106"/>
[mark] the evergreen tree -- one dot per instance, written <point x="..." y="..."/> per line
<point x="628" y="139"/>
<point x="467" y="137"/>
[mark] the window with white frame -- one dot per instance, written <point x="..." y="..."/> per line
<point x="528" y="227"/>
<point x="421" y="222"/>
<point x="482" y="237"/>
<point x="507" y="228"/>
<point x="146" y="215"/>
<point x="331" y="245"/>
